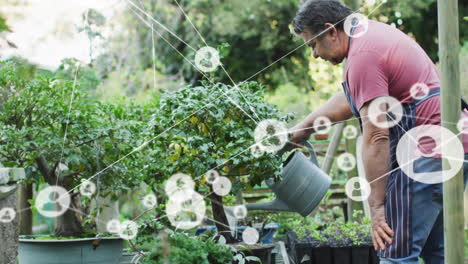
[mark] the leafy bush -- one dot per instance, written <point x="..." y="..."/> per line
<point x="50" y="123"/>
<point x="186" y="249"/>
<point x="211" y="127"/>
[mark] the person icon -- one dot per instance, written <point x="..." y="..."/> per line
<point x="384" y="108"/>
<point x="355" y="22"/>
<point x="128" y="230"/>
<point x="113" y="226"/>
<point x="240" y="211"/>
<point x="7" y="215"/>
<point x="207" y="59"/>
<point x="356" y="189"/>
<point x="52" y="201"/>
<point x="257" y="151"/>
<point x="346" y="162"/>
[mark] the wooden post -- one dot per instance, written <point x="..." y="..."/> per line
<point x="25" y="193"/>
<point x="351" y="144"/>
<point x="332" y="148"/>
<point x="450" y="85"/>
<point x="352" y="148"/>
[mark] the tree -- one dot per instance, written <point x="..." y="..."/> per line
<point x="255" y="30"/>
<point x="218" y="136"/>
<point x="48" y="122"/>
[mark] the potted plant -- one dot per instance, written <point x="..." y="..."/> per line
<point x="60" y="133"/>
<point x="158" y="244"/>
<point x="212" y="129"/>
<point x="333" y="242"/>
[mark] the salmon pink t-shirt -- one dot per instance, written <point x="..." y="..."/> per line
<point x="386" y="62"/>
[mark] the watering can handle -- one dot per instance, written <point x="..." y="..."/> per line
<point x="310" y="149"/>
<point x="313" y="156"/>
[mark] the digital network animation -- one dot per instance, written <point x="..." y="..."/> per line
<point x="185" y="208"/>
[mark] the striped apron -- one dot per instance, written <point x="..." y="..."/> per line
<point x="398" y="201"/>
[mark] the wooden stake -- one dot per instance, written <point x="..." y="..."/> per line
<point x="450" y="85"/>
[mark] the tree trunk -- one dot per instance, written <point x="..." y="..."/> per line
<point x="220" y="218"/>
<point x="69" y="223"/>
<point x="9" y="233"/>
<point x="25" y="215"/>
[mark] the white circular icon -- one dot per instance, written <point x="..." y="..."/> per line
<point x="419" y="90"/>
<point x="271" y="135"/>
<point x="257" y="151"/>
<point x="222" y="186"/>
<point x="179" y="182"/>
<point x="350" y="132"/>
<point x="356" y="21"/>
<point x="211" y="176"/>
<point x="250" y="236"/>
<point x="7" y="215"/>
<point x="430" y="141"/>
<point x="346" y="162"/>
<point x="462" y="125"/>
<point x="113" y="226"/>
<point x="322" y="125"/>
<point x="4" y="175"/>
<point x="186" y="212"/>
<point x="128" y="230"/>
<point x="357" y="189"/>
<point x="150" y="201"/>
<point x="385" y="112"/>
<point x="240" y="211"/>
<point x="207" y="59"/>
<point x="52" y="201"/>
<point x="87" y="188"/>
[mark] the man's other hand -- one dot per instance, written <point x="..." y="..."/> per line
<point x="381" y="232"/>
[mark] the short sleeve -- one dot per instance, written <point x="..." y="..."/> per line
<point x="366" y="77"/>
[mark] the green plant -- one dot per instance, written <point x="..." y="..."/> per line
<point x="181" y="248"/>
<point x="339" y="233"/>
<point x="59" y="132"/>
<point x="212" y="128"/>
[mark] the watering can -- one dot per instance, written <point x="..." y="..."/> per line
<point x="303" y="185"/>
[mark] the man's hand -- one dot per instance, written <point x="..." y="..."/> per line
<point x="381" y="232"/>
<point x="299" y="134"/>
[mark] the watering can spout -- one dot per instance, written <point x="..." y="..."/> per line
<point x="275" y="205"/>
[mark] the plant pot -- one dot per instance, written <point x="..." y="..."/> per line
<point x="304" y="253"/>
<point x="70" y="251"/>
<point x="321" y="136"/>
<point x="341" y="255"/>
<point x="373" y="258"/>
<point x="263" y="252"/>
<point x="360" y="254"/>
<point x="322" y="255"/>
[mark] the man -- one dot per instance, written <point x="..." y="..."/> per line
<point x="407" y="215"/>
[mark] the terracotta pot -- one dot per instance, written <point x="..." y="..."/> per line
<point x="321" y="136"/>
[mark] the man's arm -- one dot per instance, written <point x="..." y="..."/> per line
<point x="376" y="160"/>
<point x="336" y="109"/>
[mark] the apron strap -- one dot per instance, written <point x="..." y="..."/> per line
<point x="435" y="92"/>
